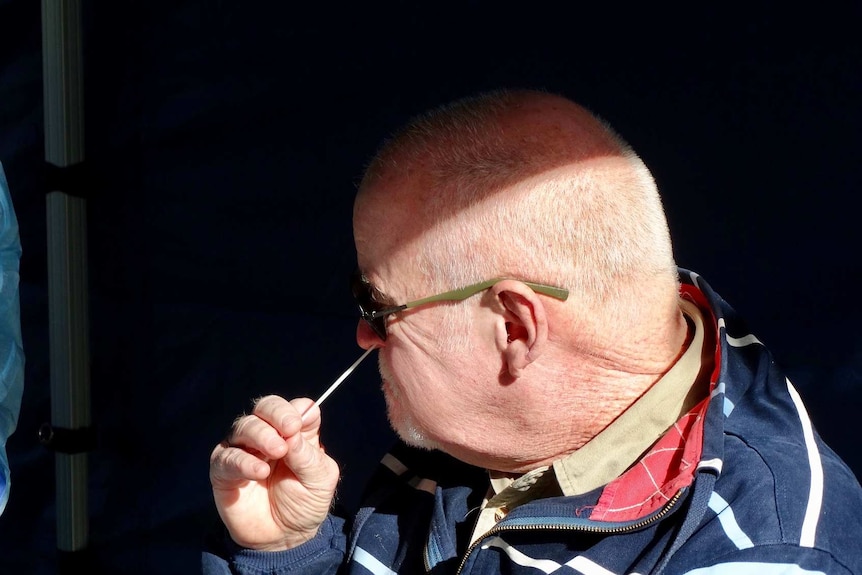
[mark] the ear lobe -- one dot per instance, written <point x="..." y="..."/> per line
<point x="524" y="332"/>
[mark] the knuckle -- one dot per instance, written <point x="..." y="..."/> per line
<point x="219" y="467"/>
<point x="216" y="455"/>
<point x="244" y="427"/>
<point x="265" y="402"/>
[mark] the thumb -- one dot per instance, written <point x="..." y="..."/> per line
<point x="309" y="463"/>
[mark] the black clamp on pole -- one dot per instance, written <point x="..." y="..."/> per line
<point x="63" y="440"/>
<point x="73" y="180"/>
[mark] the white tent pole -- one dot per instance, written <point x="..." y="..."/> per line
<point x="62" y="57"/>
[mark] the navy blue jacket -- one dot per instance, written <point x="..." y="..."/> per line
<point x="744" y="486"/>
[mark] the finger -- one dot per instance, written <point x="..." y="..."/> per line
<point x="309" y="413"/>
<point x="229" y="465"/>
<point x="283" y="415"/>
<point x="311" y="419"/>
<point x="252" y="433"/>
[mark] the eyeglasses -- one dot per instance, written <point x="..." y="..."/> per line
<point x="375" y="312"/>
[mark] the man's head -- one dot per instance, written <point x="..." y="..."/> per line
<point x="522" y="185"/>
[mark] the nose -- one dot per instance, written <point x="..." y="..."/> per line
<point x="366" y="337"/>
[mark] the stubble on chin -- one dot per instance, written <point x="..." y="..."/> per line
<point x="399" y="419"/>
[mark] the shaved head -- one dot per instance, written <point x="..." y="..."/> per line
<point x="523" y="184"/>
<point x="488" y="141"/>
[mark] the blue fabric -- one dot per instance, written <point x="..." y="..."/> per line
<point x="768" y="496"/>
<point x="11" y="349"/>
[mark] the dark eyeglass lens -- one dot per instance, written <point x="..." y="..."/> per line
<point x="378" y="324"/>
<point x="362" y="293"/>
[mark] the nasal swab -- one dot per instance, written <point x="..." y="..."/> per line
<point x="340" y="379"/>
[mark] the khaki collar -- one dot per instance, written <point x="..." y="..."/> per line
<point x="606" y="456"/>
<point x="610" y="453"/>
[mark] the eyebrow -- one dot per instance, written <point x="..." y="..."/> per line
<point x="379" y="295"/>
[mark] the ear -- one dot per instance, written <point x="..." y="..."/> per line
<point x="523" y="330"/>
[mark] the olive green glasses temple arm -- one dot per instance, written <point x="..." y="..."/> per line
<point x="465" y="292"/>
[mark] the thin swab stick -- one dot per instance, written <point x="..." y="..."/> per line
<point x="340" y="379"/>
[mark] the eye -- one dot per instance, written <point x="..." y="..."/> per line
<point x="375" y="295"/>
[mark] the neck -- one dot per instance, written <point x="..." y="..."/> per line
<point x="562" y="409"/>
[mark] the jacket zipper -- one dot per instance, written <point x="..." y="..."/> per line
<point x="584" y="528"/>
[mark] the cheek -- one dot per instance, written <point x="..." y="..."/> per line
<point x="406" y="372"/>
<point x="416" y="383"/>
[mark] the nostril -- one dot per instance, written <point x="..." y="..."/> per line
<point x="366" y="337"/>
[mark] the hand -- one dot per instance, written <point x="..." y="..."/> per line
<point x="272" y="482"/>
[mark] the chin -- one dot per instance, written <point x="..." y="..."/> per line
<point x="400" y="421"/>
<point x="413" y="436"/>
<point x="403" y="424"/>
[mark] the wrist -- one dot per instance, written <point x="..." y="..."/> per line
<point x="290" y="541"/>
<point x="328" y="547"/>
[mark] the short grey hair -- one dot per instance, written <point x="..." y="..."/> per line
<point x="594" y="230"/>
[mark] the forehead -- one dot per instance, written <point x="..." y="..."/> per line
<point x="393" y="205"/>
<point x="388" y="240"/>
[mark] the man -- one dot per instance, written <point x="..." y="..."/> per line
<point x="578" y="407"/>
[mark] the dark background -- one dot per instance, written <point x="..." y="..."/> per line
<point x="225" y="139"/>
